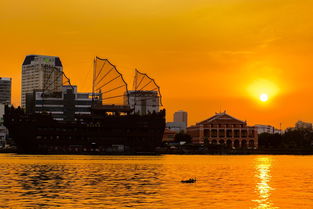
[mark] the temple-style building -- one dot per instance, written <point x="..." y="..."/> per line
<point x="225" y="130"/>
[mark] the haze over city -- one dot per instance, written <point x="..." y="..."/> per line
<point x="207" y="56"/>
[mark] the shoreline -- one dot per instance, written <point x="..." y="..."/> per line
<point x="181" y="152"/>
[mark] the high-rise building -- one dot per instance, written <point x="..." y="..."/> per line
<point x="41" y="73"/>
<point x="181" y="116"/>
<point x="5" y="90"/>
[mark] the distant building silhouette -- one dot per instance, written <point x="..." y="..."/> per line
<point x="181" y="116"/>
<point x="176" y="126"/>
<point x="303" y="125"/>
<point x="41" y="73"/>
<point x="180" y="122"/>
<point x="266" y="129"/>
<point x="5" y="90"/>
<point x="225" y="130"/>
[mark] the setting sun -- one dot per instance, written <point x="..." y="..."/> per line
<point x="263" y="97"/>
<point x="263" y="89"/>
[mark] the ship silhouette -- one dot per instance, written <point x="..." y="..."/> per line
<point x="120" y="121"/>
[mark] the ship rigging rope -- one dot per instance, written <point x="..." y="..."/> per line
<point x="68" y="80"/>
<point x="107" y="83"/>
<point x="46" y="67"/>
<point x="99" y="71"/>
<point x="104" y="76"/>
<point x="113" y="89"/>
<point x="60" y="73"/>
<point x="145" y="86"/>
<point x="136" y="86"/>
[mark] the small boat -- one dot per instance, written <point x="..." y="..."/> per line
<point x="191" y="180"/>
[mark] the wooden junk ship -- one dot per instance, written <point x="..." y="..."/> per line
<point x="118" y="121"/>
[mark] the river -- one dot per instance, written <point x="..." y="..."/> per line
<point x="81" y="181"/>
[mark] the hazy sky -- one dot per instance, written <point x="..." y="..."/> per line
<point x="207" y="55"/>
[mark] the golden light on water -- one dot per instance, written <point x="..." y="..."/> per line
<point x="263" y="188"/>
<point x="95" y="181"/>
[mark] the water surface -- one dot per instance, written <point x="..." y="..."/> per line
<point x="70" y="181"/>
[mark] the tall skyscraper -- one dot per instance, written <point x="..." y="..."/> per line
<point x="5" y="90"/>
<point x="181" y="116"/>
<point x="41" y="73"/>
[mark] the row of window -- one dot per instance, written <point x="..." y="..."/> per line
<point x="228" y="133"/>
<point x="235" y="143"/>
<point x="224" y="125"/>
<point x="46" y="101"/>
<point x="77" y="109"/>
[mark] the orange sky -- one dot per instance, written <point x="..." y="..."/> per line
<point x="206" y="55"/>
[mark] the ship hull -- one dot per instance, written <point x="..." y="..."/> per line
<point x="90" y="134"/>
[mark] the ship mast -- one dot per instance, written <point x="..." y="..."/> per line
<point x="146" y="95"/>
<point x="47" y="85"/>
<point x="144" y="83"/>
<point x="109" y="89"/>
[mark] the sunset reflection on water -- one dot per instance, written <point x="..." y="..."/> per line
<point x="263" y="173"/>
<point x="141" y="182"/>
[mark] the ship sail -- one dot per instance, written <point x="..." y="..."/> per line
<point x="109" y="87"/>
<point x="143" y="83"/>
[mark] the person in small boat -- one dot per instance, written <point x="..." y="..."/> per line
<point x="191" y="180"/>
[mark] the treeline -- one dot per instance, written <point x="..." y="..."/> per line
<point x="291" y="139"/>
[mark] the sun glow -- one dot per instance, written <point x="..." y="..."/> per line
<point x="263" y="90"/>
<point x="263" y="97"/>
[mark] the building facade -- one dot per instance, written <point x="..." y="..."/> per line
<point x="144" y="102"/>
<point x="3" y="130"/>
<point x="181" y="116"/>
<point x="169" y="135"/>
<point x="62" y="105"/>
<point x="41" y="73"/>
<point x="225" y="130"/>
<point x="5" y="90"/>
<point x="267" y="129"/>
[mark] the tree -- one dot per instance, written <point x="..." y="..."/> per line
<point x="301" y="138"/>
<point x="267" y="140"/>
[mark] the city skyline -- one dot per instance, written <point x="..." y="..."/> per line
<point x="206" y="56"/>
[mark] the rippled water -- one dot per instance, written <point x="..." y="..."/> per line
<point x="67" y="181"/>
